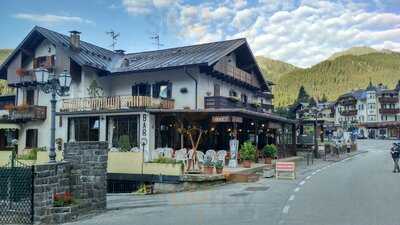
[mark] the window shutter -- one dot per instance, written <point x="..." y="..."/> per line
<point x="135" y="91"/>
<point x="169" y="90"/>
<point x="156" y="90"/>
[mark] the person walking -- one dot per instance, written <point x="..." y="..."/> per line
<point x="395" y="151"/>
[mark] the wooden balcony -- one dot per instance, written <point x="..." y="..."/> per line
<point x="236" y="73"/>
<point x="350" y="101"/>
<point x="115" y="103"/>
<point x="26" y="113"/>
<point x="349" y="112"/>
<point x="389" y="99"/>
<point x="221" y="102"/>
<point x="389" y="111"/>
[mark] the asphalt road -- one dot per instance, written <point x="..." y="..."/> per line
<point x="358" y="191"/>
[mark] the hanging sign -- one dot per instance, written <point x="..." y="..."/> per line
<point x="227" y="119"/>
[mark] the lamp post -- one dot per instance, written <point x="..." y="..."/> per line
<point x="315" y="112"/>
<point x="55" y="85"/>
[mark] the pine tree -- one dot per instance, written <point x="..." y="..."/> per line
<point x="312" y="102"/>
<point x="303" y="95"/>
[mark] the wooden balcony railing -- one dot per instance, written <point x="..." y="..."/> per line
<point x="389" y="99"/>
<point x="236" y="73"/>
<point x="221" y="102"/>
<point x="26" y="113"/>
<point x="115" y="103"/>
<point x="389" y="111"/>
<point x="349" y="112"/>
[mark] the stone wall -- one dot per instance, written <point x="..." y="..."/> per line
<point x="88" y="173"/>
<point x="50" y="179"/>
<point x="83" y="173"/>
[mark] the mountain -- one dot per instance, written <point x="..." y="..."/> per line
<point x="339" y="75"/>
<point x="4" y="53"/>
<point x="4" y="89"/>
<point x="273" y="69"/>
<point x="353" y="51"/>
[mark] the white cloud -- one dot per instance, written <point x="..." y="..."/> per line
<point x="51" y="19"/>
<point x="300" y="32"/>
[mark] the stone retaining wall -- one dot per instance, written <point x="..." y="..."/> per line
<point x="83" y="173"/>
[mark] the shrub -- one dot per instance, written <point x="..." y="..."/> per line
<point x="248" y="151"/>
<point x="270" y="151"/>
<point x="31" y="155"/>
<point x="123" y="143"/>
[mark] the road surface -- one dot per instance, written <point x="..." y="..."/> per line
<point x="359" y="191"/>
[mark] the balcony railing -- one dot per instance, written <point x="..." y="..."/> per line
<point x="347" y="102"/>
<point x="389" y="111"/>
<point x="389" y="99"/>
<point x="221" y="102"/>
<point x="26" y="113"/>
<point x="115" y="103"/>
<point x="349" y="112"/>
<point x="236" y="73"/>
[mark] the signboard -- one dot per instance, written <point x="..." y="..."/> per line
<point x="285" y="167"/>
<point x="233" y="147"/>
<point x="227" y="119"/>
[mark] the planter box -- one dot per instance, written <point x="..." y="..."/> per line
<point x="175" y="169"/>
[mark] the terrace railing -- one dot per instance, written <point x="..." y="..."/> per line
<point x="236" y="73"/>
<point x="28" y="113"/>
<point x="389" y="111"/>
<point x="115" y="103"/>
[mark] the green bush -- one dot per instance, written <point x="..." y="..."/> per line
<point x="31" y="155"/>
<point x="124" y="144"/>
<point x="270" y="151"/>
<point x="248" y="151"/>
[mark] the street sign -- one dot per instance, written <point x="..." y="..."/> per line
<point x="287" y="168"/>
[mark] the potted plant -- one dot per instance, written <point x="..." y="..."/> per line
<point x="208" y="166"/>
<point x="247" y="153"/>
<point x="219" y="166"/>
<point x="269" y="153"/>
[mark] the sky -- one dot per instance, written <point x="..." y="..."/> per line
<point x="300" y="32"/>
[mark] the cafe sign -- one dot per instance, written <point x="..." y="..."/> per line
<point x="227" y="119"/>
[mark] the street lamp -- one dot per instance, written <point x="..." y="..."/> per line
<point x="56" y="85"/>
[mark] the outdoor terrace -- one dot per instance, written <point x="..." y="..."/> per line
<point x="115" y="103"/>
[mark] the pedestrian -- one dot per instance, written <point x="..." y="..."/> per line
<point x="395" y="151"/>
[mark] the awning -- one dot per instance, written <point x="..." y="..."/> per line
<point x="9" y="126"/>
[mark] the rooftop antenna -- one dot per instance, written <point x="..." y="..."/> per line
<point x="114" y="37"/>
<point x="156" y="38"/>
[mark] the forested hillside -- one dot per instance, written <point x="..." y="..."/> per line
<point x="273" y="69"/>
<point x="337" y="76"/>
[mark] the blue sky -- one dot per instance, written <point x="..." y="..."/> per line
<point x="301" y="32"/>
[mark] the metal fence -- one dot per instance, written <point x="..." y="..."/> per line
<point x="16" y="193"/>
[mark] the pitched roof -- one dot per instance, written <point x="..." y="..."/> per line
<point x="112" y="62"/>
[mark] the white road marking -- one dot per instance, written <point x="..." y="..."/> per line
<point x="291" y="198"/>
<point x="318" y="170"/>
<point x="297" y="189"/>
<point x="302" y="183"/>
<point x="314" y="173"/>
<point x="307" y="178"/>
<point x="286" y="209"/>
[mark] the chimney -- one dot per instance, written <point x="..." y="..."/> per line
<point x="119" y="51"/>
<point x="74" y="39"/>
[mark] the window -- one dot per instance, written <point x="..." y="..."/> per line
<point x="217" y="90"/>
<point x="233" y="93"/>
<point x="30" y="97"/>
<point x="31" y="138"/>
<point x="243" y="98"/>
<point x="162" y="90"/>
<point x="142" y="89"/>
<point x="125" y="125"/>
<point x="86" y="128"/>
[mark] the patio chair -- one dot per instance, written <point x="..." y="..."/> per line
<point x="156" y="153"/>
<point x="167" y="152"/>
<point x="181" y="155"/>
<point x="200" y="157"/>
<point x="136" y="149"/>
<point x="221" y="154"/>
<point x="114" y="149"/>
<point x="212" y="155"/>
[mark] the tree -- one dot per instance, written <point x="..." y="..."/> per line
<point x="303" y="95"/>
<point x="324" y="98"/>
